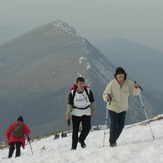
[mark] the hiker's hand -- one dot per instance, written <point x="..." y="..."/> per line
<point x="108" y="97"/>
<point x="28" y="138"/>
<point x="136" y="85"/>
<point x="93" y="115"/>
<point x="67" y="118"/>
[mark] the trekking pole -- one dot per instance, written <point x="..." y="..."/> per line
<point x="146" y="116"/>
<point x="28" y="138"/>
<point x="106" y="119"/>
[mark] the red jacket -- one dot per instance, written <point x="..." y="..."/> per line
<point x="74" y="87"/>
<point x="11" y="138"/>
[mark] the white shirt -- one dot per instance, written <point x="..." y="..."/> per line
<point x="81" y="100"/>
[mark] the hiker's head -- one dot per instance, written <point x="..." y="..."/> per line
<point x="120" y="74"/>
<point x="20" y="119"/>
<point x="80" y="81"/>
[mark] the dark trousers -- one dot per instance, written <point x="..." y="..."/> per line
<point x="86" y="126"/>
<point x="12" y="148"/>
<point x="117" y="125"/>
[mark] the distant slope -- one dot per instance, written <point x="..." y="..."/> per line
<point x="37" y="70"/>
<point x="142" y="63"/>
<point x="7" y="33"/>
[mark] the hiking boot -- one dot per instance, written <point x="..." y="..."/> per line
<point x="83" y="145"/>
<point x="113" y="144"/>
<point x="73" y="147"/>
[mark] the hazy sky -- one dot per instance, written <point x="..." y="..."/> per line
<point x="96" y="20"/>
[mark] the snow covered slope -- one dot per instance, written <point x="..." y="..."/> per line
<point x="135" y="145"/>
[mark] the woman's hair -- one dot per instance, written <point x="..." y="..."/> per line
<point x="80" y="79"/>
<point x="120" y="70"/>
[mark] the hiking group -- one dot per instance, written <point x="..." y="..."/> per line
<point x="81" y="107"/>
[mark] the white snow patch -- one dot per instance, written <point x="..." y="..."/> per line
<point x="84" y="48"/>
<point x="79" y="74"/>
<point x="59" y="25"/>
<point x="88" y="66"/>
<point x="82" y="58"/>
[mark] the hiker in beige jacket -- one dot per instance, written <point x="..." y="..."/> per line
<point x="116" y="95"/>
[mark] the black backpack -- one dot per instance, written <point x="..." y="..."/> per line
<point x="17" y="131"/>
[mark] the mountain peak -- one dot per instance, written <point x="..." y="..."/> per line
<point x="62" y="26"/>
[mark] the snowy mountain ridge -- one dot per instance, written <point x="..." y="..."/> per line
<point x="64" y="27"/>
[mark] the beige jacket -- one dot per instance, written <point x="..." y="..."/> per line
<point x="119" y="95"/>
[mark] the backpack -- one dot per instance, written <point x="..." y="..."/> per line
<point x="86" y="88"/>
<point x="17" y="131"/>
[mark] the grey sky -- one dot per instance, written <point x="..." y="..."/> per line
<point x="96" y="20"/>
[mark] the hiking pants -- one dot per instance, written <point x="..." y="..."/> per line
<point x="86" y="126"/>
<point x="117" y="125"/>
<point x="12" y="148"/>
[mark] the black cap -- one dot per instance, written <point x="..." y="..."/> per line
<point x="20" y="119"/>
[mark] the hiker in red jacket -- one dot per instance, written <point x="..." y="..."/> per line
<point x="19" y="141"/>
